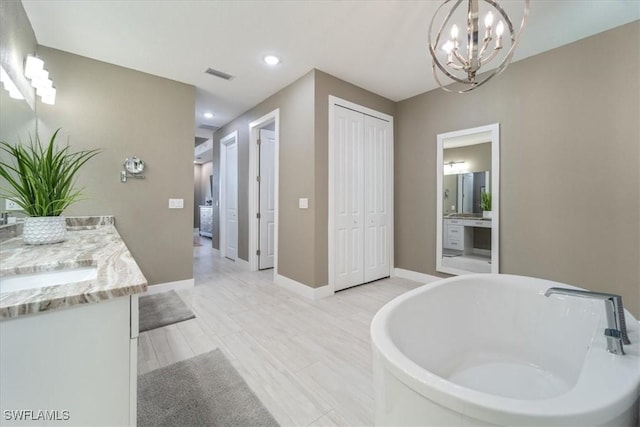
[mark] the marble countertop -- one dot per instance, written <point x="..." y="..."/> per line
<point x="96" y="244"/>
<point x="463" y="216"/>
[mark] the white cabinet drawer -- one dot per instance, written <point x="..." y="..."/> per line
<point x="455" y="230"/>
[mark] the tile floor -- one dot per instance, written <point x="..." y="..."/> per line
<point x="309" y="362"/>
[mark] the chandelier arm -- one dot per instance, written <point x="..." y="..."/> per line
<point x="446" y="89"/>
<point x="460" y="58"/>
<point x="455" y="66"/>
<point x="491" y="56"/>
<point x="448" y="74"/>
<point x="485" y="45"/>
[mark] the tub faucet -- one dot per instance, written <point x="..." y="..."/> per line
<point x="616" y="331"/>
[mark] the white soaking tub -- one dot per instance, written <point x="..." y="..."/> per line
<point x="490" y="349"/>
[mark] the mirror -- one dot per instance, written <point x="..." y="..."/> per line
<point x="17" y="123"/>
<point x="468" y="201"/>
<point x="134" y="165"/>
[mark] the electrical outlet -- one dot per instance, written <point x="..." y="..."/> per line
<point x="176" y="203"/>
<point x="10" y="205"/>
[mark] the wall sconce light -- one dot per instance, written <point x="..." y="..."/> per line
<point x="133" y="167"/>
<point x="34" y="71"/>
<point x="454" y="167"/>
<point x="9" y="85"/>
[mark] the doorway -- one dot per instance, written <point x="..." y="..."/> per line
<point x="229" y="196"/>
<point x="263" y="193"/>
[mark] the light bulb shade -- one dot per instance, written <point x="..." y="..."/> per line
<point x="454" y="31"/>
<point x="45" y="89"/>
<point x="488" y="20"/>
<point x="49" y="97"/>
<point x="33" y="66"/>
<point x="472" y="59"/>
<point x="40" y="79"/>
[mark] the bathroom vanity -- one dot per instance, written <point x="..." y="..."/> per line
<point x="69" y="328"/>
<point x="467" y="243"/>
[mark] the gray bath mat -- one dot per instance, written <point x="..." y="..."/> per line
<point x="203" y="391"/>
<point x="162" y="309"/>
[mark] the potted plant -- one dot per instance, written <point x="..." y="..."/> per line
<point x="41" y="181"/>
<point x="485" y="204"/>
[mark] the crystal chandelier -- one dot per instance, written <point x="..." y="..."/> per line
<point x="462" y="60"/>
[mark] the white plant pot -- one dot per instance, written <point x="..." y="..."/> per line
<point x="44" y="230"/>
<point x="486" y="214"/>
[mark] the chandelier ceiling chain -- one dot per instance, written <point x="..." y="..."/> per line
<point x="464" y="58"/>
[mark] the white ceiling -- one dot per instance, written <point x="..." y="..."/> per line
<point x="378" y="45"/>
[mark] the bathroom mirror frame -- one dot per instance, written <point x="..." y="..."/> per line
<point x="489" y="133"/>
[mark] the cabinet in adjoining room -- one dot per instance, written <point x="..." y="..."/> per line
<point x="206" y="221"/>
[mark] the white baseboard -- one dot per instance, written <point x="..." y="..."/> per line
<point x="414" y="275"/>
<point x="165" y="287"/>
<point x="302" y="289"/>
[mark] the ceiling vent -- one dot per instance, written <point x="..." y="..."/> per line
<point x="220" y="74"/>
<point x="208" y="127"/>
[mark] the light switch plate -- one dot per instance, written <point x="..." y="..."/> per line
<point x="303" y="203"/>
<point x="10" y="205"/>
<point x="176" y="203"/>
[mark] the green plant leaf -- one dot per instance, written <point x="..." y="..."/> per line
<point x="41" y="178"/>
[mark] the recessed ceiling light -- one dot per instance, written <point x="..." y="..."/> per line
<point x="208" y="115"/>
<point x="271" y="60"/>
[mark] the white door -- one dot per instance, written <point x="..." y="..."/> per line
<point x="231" y="199"/>
<point x="377" y="197"/>
<point x="349" y="200"/>
<point x="267" y="211"/>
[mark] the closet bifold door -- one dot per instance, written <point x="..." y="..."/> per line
<point x="362" y="198"/>
<point x="349" y="198"/>
<point x="377" y="193"/>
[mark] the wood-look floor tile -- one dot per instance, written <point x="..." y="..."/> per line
<point x="309" y="362"/>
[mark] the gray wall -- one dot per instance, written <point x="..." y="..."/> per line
<point x="569" y="138"/>
<point x="326" y="85"/>
<point x="297" y="165"/>
<point x="126" y="112"/>
<point x="302" y="239"/>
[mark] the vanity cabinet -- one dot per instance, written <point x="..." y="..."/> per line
<point x="76" y="365"/>
<point x="458" y="233"/>
<point x="454" y="234"/>
<point x="206" y="221"/>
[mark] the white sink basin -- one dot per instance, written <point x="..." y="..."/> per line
<point x="20" y="282"/>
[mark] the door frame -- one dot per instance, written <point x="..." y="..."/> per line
<point x="334" y="102"/>
<point x="229" y="139"/>
<point x="254" y="190"/>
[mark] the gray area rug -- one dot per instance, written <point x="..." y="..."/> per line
<point x="162" y="309"/>
<point x="203" y="391"/>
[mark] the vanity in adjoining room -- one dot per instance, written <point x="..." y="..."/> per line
<point x="69" y="327"/>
